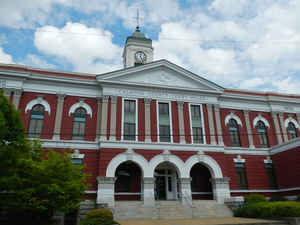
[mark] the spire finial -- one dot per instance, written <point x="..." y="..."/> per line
<point x="137" y="20"/>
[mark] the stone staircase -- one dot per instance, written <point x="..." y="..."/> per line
<point x="170" y="210"/>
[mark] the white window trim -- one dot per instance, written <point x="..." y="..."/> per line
<point x="170" y="120"/>
<point x="239" y="159"/>
<point x="82" y="104"/>
<point x="38" y="101"/>
<point x="202" y="123"/>
<point x="260" y="118"/>
<point x="233" y="116"/>
<point x="292" y="120"/>
<point x="136" y="119"/>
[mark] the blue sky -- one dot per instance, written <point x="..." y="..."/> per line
<point x="245" y="44"/>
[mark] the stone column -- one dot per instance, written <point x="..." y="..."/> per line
<point x="285" y="137"/>
<point x="218" y="123"/>
<point x="113" y="117"/>
<point x="221" y="190"/>
<point x="149" y="191"/>
<point x="7" y="93"/>
<point x="58" y="116"/>
<point x="103" y="131"/>
<point x="17" y="97"/>
<point x="186" y="191"/>
<point x="181" y="122"/>
<point x="277" y="129"/>
<point x="249" y="131"/>
<point x="98" y="129"/>
<point x="147" y="120"/>
<point x="106" y="191"/>
<point x="211" y="124"/>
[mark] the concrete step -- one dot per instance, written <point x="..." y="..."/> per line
<point x="170" y="210"/>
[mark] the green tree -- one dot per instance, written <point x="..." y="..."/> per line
<point x="34" y="182"/>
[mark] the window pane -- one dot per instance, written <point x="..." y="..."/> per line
<point x="36" y="121"/>
<point x="129" y="131"/>
<point x="292" y="130"/>
<point x="164" y="123"/>
<point x="129" y="127"/>
<point x="78" y="132"/>
<point x="234" y="133"/>
<point x="271" y="176"/>
<point x="164" y="133"/>
<point x="241" y="175"/>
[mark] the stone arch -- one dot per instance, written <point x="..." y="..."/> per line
<point x="38" y="101"/>
<point x="260" y="118"/>
<point x="233" y="116"/>
<point x="127" y="156"/>
<point x="83" y="105"/>
<point x="173" y="159"/>
<point x="206" y="160"/>
<point x="292" y="120"/>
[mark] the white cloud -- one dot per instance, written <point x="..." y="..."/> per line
<point x="36" y="61"/>
<point x="87" y="49"/>
<point x="287" y="85"/>
<point x="5" y="58"/>
<point x="252" y="83"/>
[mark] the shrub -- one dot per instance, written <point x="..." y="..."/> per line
<point x="298" y="198"/>
<point x="277" y="198"/>
<point x="98" y="217"/>
<point x="269" y="210"/>
<point x="253" y="198"/>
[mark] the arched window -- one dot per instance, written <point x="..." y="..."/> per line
<point x="36" y="121"/>
<point x="292" y="130"/>
<point x="78" y="132"/>
<point x="234" y="133"/>
<point x="262" y="134"/>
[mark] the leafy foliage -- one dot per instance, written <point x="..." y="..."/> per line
<point x="98" y="217"/>
<point x="252" y="198"/>
<point x="34" y="182"/>
<point x="277" y="198"/>
<point x="269" y="210"/>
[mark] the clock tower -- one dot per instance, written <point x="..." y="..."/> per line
<point x="138" y="50"/>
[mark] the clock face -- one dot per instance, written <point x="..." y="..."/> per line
<point x="140" y="57"/>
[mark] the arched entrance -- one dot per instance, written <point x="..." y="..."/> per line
<point x="166" y="182"/>
<point x="200" y="184"/>
<point x="128" y="185"/>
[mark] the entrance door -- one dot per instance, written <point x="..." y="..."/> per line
<point x="160" y="188"/>
<point x="166" y="182"/>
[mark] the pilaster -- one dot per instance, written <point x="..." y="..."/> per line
<point x="285" y="137"/>
<point x="149" y="191"/>
<point x="17" y="97"/>
<point x="147" y="102"/>
<point x="186" y="193"/>
<point x="113" y="117"/>
<point x="181" y="122"/>
<point x="218" y="123"/>
<point x="249" y="131"/>
<point x="58" y="116"/>
<point x="211" y="124"/>
<point x="106" y="191"/>
<point x="221" y="190"/>
<point x="277" y="129"/>
<point x="104" y="113"/>
<point x="99" y="109"/>
<point x="7" y="92"/>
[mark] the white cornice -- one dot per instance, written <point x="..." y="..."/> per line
<point x="70" y="144"/>
<point x="285" y="146"/>
<point x="265" y="191"/>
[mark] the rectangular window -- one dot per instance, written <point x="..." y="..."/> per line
<point x="196" y="124"/>
<point x="164" y="122"/>
<point x="78" y="129"/>
<point x="241" y="175"/>
<point x="271" y="175"/>
<point x="129" y="128"/>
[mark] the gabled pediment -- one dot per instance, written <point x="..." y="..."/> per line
<point x="162" y="74"/>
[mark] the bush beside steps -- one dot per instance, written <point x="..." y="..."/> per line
<point x="256" y="206"/>
<point x="98" y="217"/>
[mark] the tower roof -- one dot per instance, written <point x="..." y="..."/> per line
<point x="138" y="37"/>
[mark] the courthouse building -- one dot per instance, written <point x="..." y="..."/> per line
<point x="155" y="131"/>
